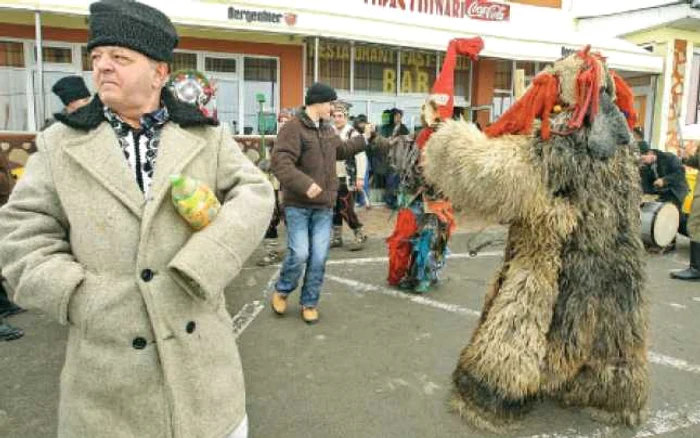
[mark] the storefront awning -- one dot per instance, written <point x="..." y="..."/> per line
<point x="533" y="34"/>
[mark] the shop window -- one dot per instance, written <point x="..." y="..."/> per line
<point x="693" y="110"/>
<point x="11" y="54"/>
<point x="334" y="64"/>
<point x="57" y="55"/>
<point x="417" y="71"/>
<point x="501" y="103"/>
<point x="463" y="78"/>
<point x="503" y="75"/>
<point x="185" y="61"/>
<point x="530" y="70"/>
<point x="13" y="87"/>
<point x="85" y="59"/>
<point x="260" y="76"/>
<point x="375" y="69"/>
<point x="220" y="65"/>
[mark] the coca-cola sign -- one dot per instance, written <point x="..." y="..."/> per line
<point x="474" y="9"/>
<point x="489" y="11"/>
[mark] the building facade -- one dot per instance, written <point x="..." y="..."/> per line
<point x="670" y="29"/>
<point x="379" y="54"/>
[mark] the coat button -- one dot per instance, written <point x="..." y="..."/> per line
<point x="139" y="343"/>
<point x="190" y="326"/>
<point x="146" y="275"/>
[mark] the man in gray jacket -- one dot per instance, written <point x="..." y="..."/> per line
<point x="91" y="237"/>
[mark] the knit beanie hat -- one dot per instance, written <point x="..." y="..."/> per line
<point x="130" y="24"/>
<point x="70" y="88"/>
<point x="320" y="93"/>
<point x="643" y="147"/>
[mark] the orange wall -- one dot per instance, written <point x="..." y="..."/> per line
<point x="291" y="62"/>
<point x="290" y="56"/>
<point x="482" y="86"/>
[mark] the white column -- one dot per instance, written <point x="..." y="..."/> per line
<point x="40" y="72"/>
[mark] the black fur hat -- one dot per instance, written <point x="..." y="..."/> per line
<point x="320" y="93"/>
<point x="70" y="88"/>
<point x="130" y="24"/>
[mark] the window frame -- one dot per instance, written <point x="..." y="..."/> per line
<point x="693" y="75"/>
<point x="76" y="67"/>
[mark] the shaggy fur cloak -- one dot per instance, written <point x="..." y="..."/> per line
<point x="566" y="316"/>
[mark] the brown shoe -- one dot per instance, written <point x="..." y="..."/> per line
<point x="279" y="303"/>
<point x="309" y="315"/>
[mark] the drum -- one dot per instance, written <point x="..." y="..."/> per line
<point x="659" y="223"/>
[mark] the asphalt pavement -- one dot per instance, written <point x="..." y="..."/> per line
<point x="379" y="362"/>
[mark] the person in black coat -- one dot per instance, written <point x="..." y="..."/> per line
<point x="7" y="307"/>
<point x="663" y="174"/>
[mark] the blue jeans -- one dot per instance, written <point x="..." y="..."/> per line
<point x="308" y="241"/>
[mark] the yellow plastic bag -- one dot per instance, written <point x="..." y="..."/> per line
<point x="194" y="201"/>
<point x="691" y="176"/>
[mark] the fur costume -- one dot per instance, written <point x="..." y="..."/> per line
<point x="566" y="316"/>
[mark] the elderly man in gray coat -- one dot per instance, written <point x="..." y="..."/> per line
<point x="90" y="237"/>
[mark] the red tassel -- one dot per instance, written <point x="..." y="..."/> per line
<point x="400" y="246"/>
<point x="625" y="99"/>
<point x="587" y="88"/>
<point x="537" y="102"/>
<point x="424" y="136"/>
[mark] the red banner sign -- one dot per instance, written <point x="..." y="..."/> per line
<point x="489" y="11"/>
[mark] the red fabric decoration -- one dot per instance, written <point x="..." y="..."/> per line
<point x="444" y="211"/>
<point x="424" y="136"/>
<point x="537" y="102"/>
<point x="443" y="88"/>
<point x="400" y="246"/>
<point x="625" y="99"/>
<point x="587" y="88"/>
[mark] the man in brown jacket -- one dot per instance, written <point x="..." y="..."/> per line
<point x="7" y="307"/>
<point x="304" y="162"/>
<point x="692" y="272"/>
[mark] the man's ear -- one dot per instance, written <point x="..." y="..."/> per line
<point x="608" y="130"/>
<point x="162" y="71"/>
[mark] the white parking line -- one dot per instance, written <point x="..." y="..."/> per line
<point x="250" y="311"/>
<point x="667" y="421"/>
<point x="673" y="362"/>
<point x="660" y="422"/>
<point x="366" y="260"/>
<point x="418" y="299"/>
<point x="677" y="306"/>
<point x="655" y="358"/>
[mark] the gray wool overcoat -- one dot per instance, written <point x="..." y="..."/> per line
<point x="151" y="351"/>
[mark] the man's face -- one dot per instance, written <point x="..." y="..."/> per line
<point x="126" y="79"/>
<point x="77" y="104"/>
<point x="339" y="119"/>
<point x="648" y="158"/>
<point x="282" y="120"/>
<point x="397" y="118"/>
<point x="324" y="110"/>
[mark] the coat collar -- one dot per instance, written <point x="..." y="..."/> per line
<point x="98" y="152"/>
<point x="91" y="115"/>
<point x="306" y="121"/>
